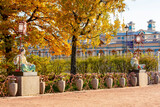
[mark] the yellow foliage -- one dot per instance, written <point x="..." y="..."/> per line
<point x="52" y="23"/>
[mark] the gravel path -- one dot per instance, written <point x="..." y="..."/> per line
<point x="117" y="97"/>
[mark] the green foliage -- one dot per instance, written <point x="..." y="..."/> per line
<point x="57" y="67"/>
<point x="150" y="62"/>
<point x="101" y="65"/>
<point x="40" y="62"/>
<point x="46" y="66"/>
<point x="82" y="66"/>
<point x="108" y="64"/>
<point x="6" y="65"/>
<point x="87" y="78"/>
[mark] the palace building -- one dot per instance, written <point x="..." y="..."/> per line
<point x="120" y="44"/>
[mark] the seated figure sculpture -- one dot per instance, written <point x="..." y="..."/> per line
<point x="135" y="63"/>
<point x="24" y="65"/>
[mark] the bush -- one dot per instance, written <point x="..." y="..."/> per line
<point x="57" y="67"/>
<point x="41" y="63"/>
<point x="101" y="65"/>
<point x="150" y="62"/>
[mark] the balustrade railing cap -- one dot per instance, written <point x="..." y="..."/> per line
<point x="94" y="76"/>
<point x="61" y="77"/>
<point x="12" y="79"/>
<point x="79" y="76"/>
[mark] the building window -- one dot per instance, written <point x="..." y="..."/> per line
<point x="118" y="37"/>
<point x="46" y="53"/>
<point x="149" y="26"/>
<point x="154" y="36"/>
<point x="39" y="53"/>
<point x="122" y="37"/>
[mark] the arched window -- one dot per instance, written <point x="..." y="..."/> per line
<point x="101" y="52"/>
<point x="39" y="54"/>
<point x="89" y="53"/>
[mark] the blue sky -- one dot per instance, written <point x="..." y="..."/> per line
<point x="141" y="11"/>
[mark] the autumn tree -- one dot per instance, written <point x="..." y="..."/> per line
<point x="86" y="19"/>
<point x="41" y="29"/>
<point x="52" y="23"/>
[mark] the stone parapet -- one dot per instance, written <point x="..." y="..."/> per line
<point x="24" y="73"/>
<point x="28" y="85"/>
<point x="142" y="77"/>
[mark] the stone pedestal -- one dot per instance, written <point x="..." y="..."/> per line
<point x="28" y="83"/>
<point x="142" y="77"/>
<point x="24" y="73"/>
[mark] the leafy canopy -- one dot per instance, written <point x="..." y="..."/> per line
<point x="52" y="23"/>
<point x="41" y="28"/>
<point x="87" y="19"/>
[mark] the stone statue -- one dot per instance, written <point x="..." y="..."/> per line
<point x="135" y="63"/>
<point x="24" y="65"/>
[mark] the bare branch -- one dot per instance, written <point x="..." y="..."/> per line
<point x="75" y="17"/>
<point x="92" y="37"/>
<point x="98" y="16"/>
<point x="30" y="19"/>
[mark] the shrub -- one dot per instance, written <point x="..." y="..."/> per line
<point x="101" y="65"/>
<point x="40" y="63"/>
<point x="150" y="62"/>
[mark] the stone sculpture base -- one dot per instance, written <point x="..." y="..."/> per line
<point x="142" y="77"/>
<point x="24" y="73"/>
<point x="28" y="83"/>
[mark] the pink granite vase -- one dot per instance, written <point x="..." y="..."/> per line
<point x="79" y="83"/>
<point x="94" y="82"/>
<point x="13" y="87"/>
<point x="109" y="82"/>
<point x="156" y="78"/>
<point x="133" y="80"/>
<point x="149" y="80"/>
<point x="61" y="85"/>
<point x="42" y="86"/>
<point x="122" y="81"/>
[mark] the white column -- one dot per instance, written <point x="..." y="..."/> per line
<point x="42" y="53"/>
<point x="117" y="52"/>
<point x="105" y="52"/>
<point x="95" y="53"/>
<point x="81" y="54"/>
<point x="121" y="52"/>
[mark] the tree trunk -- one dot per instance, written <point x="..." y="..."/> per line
<point x="8" y="47"/>
<point x="73" y="56"/>
<point x="8" y="54"/>
<point x="8" y="44"/>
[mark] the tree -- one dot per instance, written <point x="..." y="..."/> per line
<point x="41" y="29"/>
<point x="86" y="19"/>
<point x="52" y="23"/>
